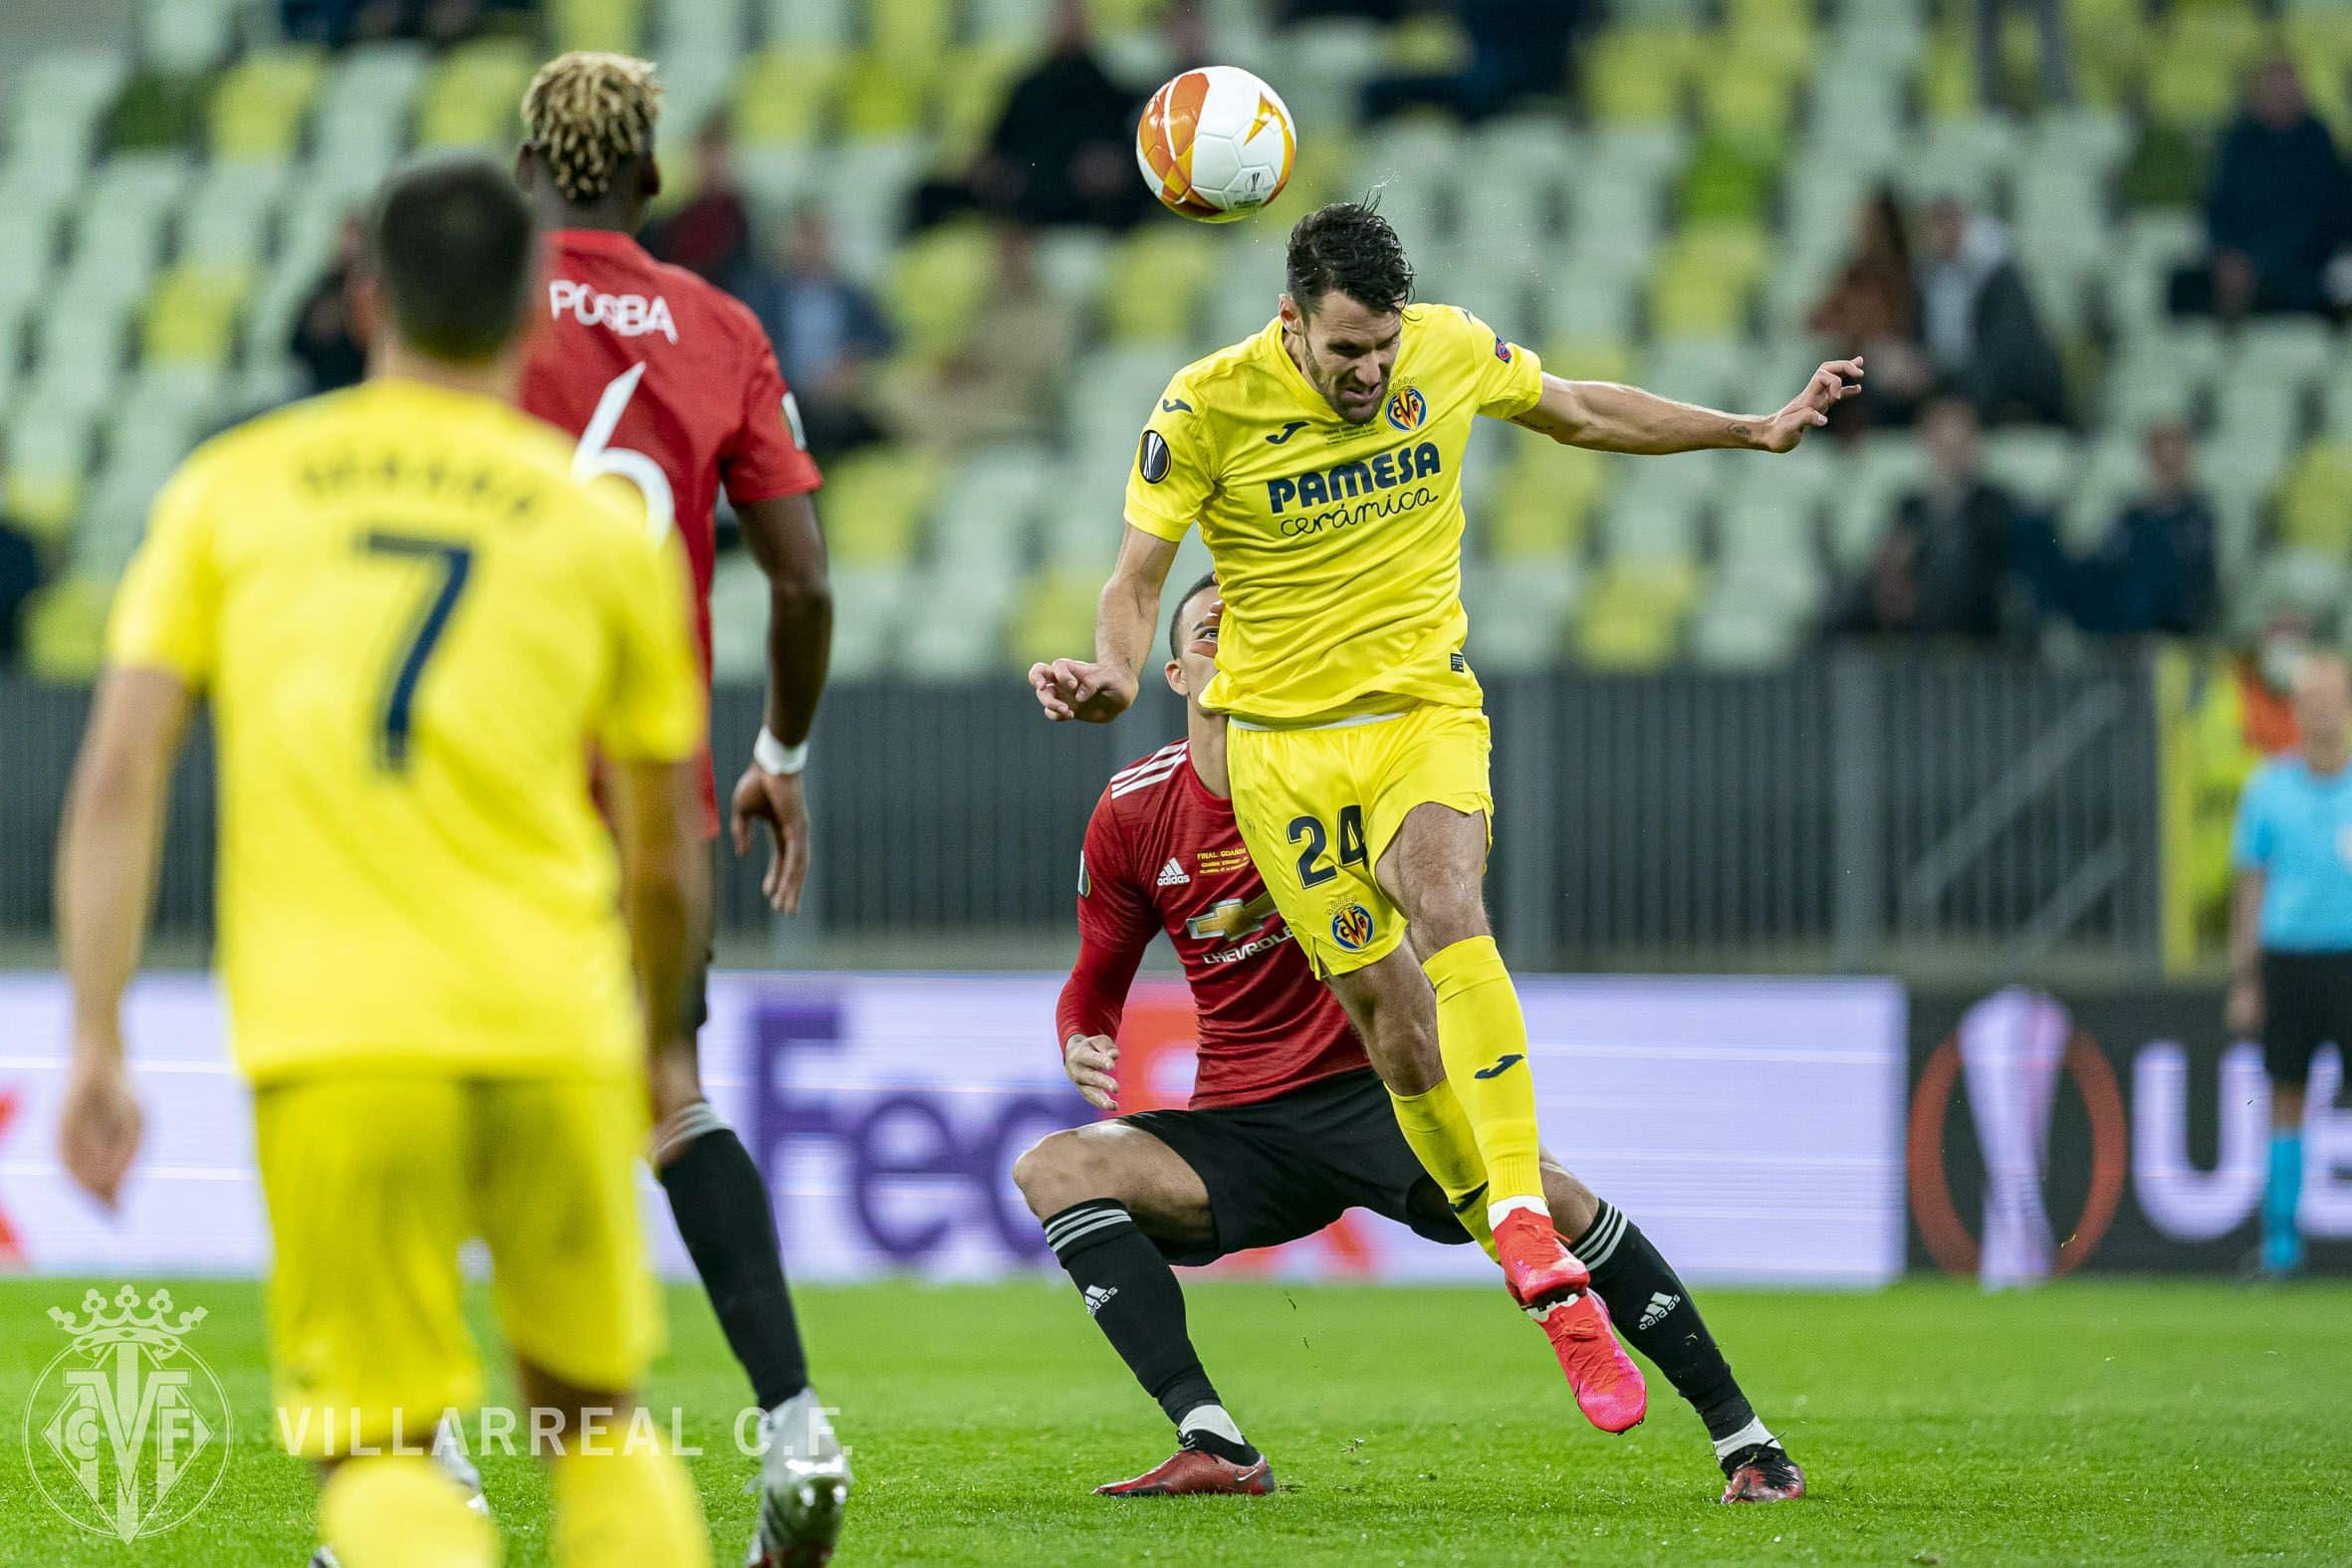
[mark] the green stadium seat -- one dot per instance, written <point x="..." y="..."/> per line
<point x="1632" y="616"/>
<point x="1750" y="102"/>
<point x="972" y="91"/>
<point x="192" y="315"/>
<point x="884" y="96"/>
<point x="785" y="97"/>
<point x="910" y="32"/>
<point x="57" y="103"/>
<point x="614" y="25"/>
<point x="1732" y="632"/>
<point x="258" y="108"/>
<point x="48" y="451"/>
<point x="869" y="605"/>
<point x="2110" y="42"/>
<point x="875" y="501"/>
<point x="1520" y="613"/>
<point x="2315" y="501"/>
<point x="65" y="630"/>
<point x="1052" y="613"/>
<point x="2039" y="466"/>
<point x="1635" y="75"/>
<point x="936" y="286"/>
<point x="2199" y="66"/>
<point x="473" y="96"/>
<point x="1543" y="510"/>
<point x="1701" y="285"/>
<point x="1179" y="259"/>
<point x="819" y="24"/>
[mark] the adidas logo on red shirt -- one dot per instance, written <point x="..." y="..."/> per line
<point x="1172" y="874"/>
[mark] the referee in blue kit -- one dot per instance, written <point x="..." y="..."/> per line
<point x="2290" y="927"/>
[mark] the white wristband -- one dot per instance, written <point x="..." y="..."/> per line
<point x="773" y="757"/>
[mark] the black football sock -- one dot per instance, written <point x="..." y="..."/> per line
<point x="1132" y="1296"/>
<point x="1654" y="1313"/>
<point x="720" y="1205"/>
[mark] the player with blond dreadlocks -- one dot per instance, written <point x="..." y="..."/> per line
<point x="670" y="387"/>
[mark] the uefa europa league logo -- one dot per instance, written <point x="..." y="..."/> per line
<point x="127" y="1429"/>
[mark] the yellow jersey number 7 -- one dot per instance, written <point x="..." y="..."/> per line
<point x="395" y="707"/>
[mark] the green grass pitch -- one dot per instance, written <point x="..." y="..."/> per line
<point x="2086" y="1422"/>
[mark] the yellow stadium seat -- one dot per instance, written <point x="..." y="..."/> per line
<point x="1633" y="618"/>
<point x="882" y="96"/>
<point x="1702" y="284"/>
<point x="614" y="25"/>
<point x="1749" y="104"/>
<point x="971" y="96"/>
<point x="2200" y="64"/>
<point x="65" y="630"/>
<point x="784" y="96"/>
<point x="1052" y="613"/>
<point x="875" y="501"/>
<point x="1153" y="284"/>
<point x="910" y="32"/>
<point x="1545" y="507"/>
<point x="2315" y="503"/>
<point x="256" y="109"/>
<point x="2110" y="41"/>
<point x="192" y="315"/>
<point x="44" y="489"/>
<point x="1430" y="45"/>
<point x="935" y="287"/>
<point x="1589" y="362"/>
<point x="474" y="96"/>
<point x="1948" y="77"/>
<point x="1124" y="16"/>
<point x="1634" y="75"/>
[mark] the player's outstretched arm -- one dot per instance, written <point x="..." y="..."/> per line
<point x="106" y="879"/>
<point x="1099" y="691"/>
<point x="1608" y="417"/>
<point x="782" y="536"/>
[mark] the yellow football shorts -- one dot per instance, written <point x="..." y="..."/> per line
<point x="374" y="1183"/>
<point x="1319" y="807"/>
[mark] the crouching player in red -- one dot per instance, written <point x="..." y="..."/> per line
<point x="1288" y="1128"/>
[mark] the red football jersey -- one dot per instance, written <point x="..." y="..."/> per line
<point x="1165" y="854"/>
<point x="667" y="382"/>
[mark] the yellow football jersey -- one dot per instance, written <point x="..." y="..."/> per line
<point x="1338" y="547"/>
<point x="414" y="625"/>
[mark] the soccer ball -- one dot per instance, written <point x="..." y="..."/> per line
<point x="1216" y="145"/>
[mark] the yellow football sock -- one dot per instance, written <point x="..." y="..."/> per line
<point x="1483" y="1037"/>
<point x="1434" y="1124"/>
<point x="627" y="1503"/>
<point x="396" y="1509"/>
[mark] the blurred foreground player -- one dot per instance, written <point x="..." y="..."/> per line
<point x="1289" y="1126"/>
<point x="671" y="385"/>
<point x="413" y="624"/>
<point x="1321" y="460"/>
<point x="2290" y="929"/>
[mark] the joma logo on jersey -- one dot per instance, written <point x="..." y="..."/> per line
<point x="629" y="315"/>
<point x="1385" y="472"/>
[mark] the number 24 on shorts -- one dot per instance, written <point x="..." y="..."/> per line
<point x="1313" y="870"/>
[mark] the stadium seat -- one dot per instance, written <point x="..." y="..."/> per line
<point x="1178" y="259"/>
<point x="1703" y="282"/>
<point x="876" y="501"/>
<point x="971" y="91"/>
<point x="1696" y="369"/>
<point x="1635" y="75"/>
<point x="185" y="38"/>
<point x="883" y="96"/>
<point x="785" y="97"/>
<point x="1732" y="632"/>
<point x="192" y="315"/>
<point x="1772" y="555"/>
<point x="1632" y="615"/>
<point x="48" y="450"/>
<point x="819" y="24"/>
<point x="1544" y="503"/>
<point x="614" y="25"/>
<point x="2315" y="503"/>
<point x="258" y="108"/>
<point x="868" y="612"/>
<point x="1655" y="515"/>
<point x="2039" y="466"/>
<point x="472" y="97"/>
<point x="228" y="217"/>
<point x="54" y="106"/>
<point x="1868" y="486"/>
<point x="1052" y="613"/>
<point x="64" y="630"/>
<point x="1519" y="614"/>
<point x="935" y="288"/>
<point x="2195" y="76"/>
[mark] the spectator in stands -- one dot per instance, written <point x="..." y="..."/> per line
<point x="1872" y="309"/>
<point x="1982" y="335"/>
<point x="326" y="341"/>
<point x="1519" y="49"/>
<point x="1063" y="152"/>
<point x="2279" y="207"/>
<point x="1942" y="569"/>
<point x="2154" y="571"/>
<point x="711" y="234"/>
<point x="23" y="569"/>
<point x="1001" y="382"/>
<point x="828" y="330"/>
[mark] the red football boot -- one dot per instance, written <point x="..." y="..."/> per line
<point x="1189" y="1472"/>
<point x="1555" y="1289"/>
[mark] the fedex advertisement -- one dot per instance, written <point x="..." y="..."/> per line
<point x="1754" y="1127"/>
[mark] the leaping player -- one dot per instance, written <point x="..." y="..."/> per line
<point x="670" y="384"/>
<point x="1289" y="1126"/>
<point x="1322" y="461"/>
